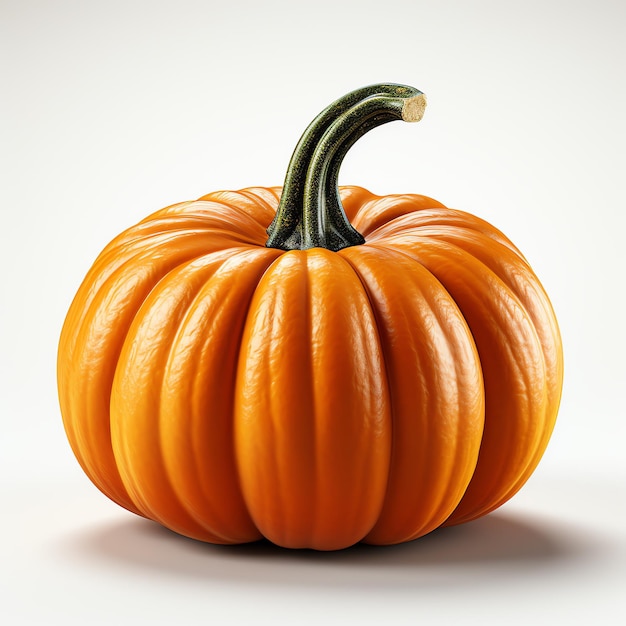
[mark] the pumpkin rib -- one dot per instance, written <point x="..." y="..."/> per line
<point x="365" y="488"/>
<point x="294" y="461"/>
<point x="234" y="212"/>
<point x="135" y="428"/>
<point x="268" y="201"/>
<point x="197" y="397"/>
<point x="169" y="209"/>
<point x="114" y="256"/>
<point x="239" y="232"/>
<point x="215" y="204"/>
<point x="462" y="270"/>
<point x="427" y="222"/>
<point x="519" y="277"/>
<point x="169" y="439"/>
<point x="256" y="432"/>
<point x="113" y="260"/>
<point x="407" y="299"/>
<point x="196" y="222"/>
<point x="98" y="313"/>
<point x="374" y="212"/>
<point x="267" y="197"/>
<point x="90" y="453"/>
<point x="535" y="302"/>
<point x="457" y="233"/>
<point x="257" y="202"/>
<point x="539" y="424"/>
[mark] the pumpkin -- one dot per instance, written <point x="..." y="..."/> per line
<point x="314" y="365"/>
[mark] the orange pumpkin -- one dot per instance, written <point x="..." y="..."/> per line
<point x="377" y="368"/>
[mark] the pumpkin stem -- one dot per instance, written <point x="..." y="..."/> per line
<point x="310" y="213"/>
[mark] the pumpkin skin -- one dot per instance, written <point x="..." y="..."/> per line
<point x="319" y="398"/>
<point x="231" y="391"/>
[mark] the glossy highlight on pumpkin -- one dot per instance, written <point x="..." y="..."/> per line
<point x="232" y="391"/>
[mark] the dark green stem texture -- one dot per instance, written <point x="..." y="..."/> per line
<point x="310" y="213"/>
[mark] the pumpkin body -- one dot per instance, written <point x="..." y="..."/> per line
<point x="231" y="391"/>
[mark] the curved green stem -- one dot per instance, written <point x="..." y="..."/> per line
<point x="310" y="213"/>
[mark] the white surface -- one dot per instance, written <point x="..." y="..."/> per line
<point x="112" y="110"/>
<point x="555" y="555"/>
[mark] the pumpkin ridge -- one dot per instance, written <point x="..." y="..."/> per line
<point x="259" y="196"/>
<point x="466" y="221"/>
<point x="500" y="258"/>
<point x="346" y="258"/>
<point x="136" y="250"/>
<point x="97" y="298"/>
<point x="345" y="254"/>
<point x="291" y="459"/>
<point x="378" y="211"/>
<point x="202" y="505"/>
<point x="198" y="225"/>
<point x="518" y="433"/>
<point x="401" y="519"/>
<point x="499" y="264"/>
<point x="259" y="401"/>
<point x="123" y="408"/>
<point x="493" y="263"/>
<point x="251" y="202"/>
<point x="85" y="439"/>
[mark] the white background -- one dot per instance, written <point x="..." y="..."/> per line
<point x="111" y="110"/>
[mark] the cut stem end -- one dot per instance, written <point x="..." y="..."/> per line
<point x="413" y="108"/>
